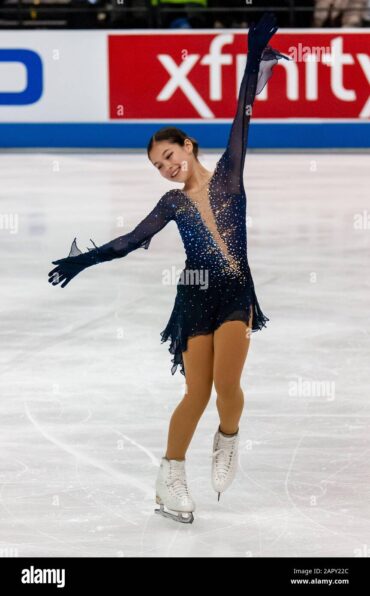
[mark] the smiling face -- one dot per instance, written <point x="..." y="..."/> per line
<point x="173" y="161"/>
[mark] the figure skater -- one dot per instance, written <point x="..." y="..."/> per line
<point x="216" y="307"/>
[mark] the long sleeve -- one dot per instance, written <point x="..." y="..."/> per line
<point x="68" y="267"/>
<point x="139" y="237"/>
<point x="256" y="75"/>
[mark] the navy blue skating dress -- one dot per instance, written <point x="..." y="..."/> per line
<point x="216" y="284"/>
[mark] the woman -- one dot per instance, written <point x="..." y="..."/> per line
<point x="216" y="307"/>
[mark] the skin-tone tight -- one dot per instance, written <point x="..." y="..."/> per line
<point x="217" y="358"/>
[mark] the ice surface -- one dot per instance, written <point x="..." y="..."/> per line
<point x="86" y="388"/>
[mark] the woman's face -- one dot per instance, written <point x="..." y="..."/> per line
<point x="173" y="161"/>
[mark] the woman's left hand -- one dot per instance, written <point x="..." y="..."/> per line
<point x="259" y="35"/>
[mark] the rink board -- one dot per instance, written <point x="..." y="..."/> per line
<point x="136" y="136"/>
<point x="86" y="89"/>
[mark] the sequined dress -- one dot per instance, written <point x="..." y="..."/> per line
<point x="216" y="284"/>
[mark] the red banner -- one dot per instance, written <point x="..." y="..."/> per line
<point x="197" y="76"/>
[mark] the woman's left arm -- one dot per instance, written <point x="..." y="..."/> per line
<point x="260" y="61"/>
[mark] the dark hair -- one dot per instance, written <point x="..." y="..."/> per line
<point x="172" y="135"/>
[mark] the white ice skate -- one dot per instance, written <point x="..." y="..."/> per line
<point x="224" y="461"/>
<point x="172" y="492"/>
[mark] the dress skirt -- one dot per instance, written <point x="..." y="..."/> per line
<point x="199" y="311"/>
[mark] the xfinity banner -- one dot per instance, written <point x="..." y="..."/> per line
<point x="198" y="76"/>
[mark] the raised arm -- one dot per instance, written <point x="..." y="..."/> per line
<point x="139" y="237"/>
<point x="260" y="61"/>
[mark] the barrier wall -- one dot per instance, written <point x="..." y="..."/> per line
<point x="115" y="88"/>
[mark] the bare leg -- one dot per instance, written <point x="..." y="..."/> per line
<point x="198" y="361"/>
<point x="231" y="344"/>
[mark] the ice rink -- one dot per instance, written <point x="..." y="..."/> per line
<point x="86" y="387"/>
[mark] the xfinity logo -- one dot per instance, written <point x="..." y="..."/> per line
<point x="43" y="576"/>
<point x="336" y="59"/>
<point x="33" y="65"/>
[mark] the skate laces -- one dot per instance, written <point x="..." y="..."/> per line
<point x="177" y="480"/>
<point x="225" y="450"/>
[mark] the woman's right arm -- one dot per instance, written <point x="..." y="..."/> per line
<point x="139" y="237"/>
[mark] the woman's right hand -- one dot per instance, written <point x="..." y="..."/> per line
<point x="67" y="269"/>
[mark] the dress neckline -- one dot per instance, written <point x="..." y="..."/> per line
<point x="206" y="186"/>
<point x="226" y="255"/>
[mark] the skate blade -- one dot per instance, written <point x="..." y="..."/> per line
<point x="183" y="517"/>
